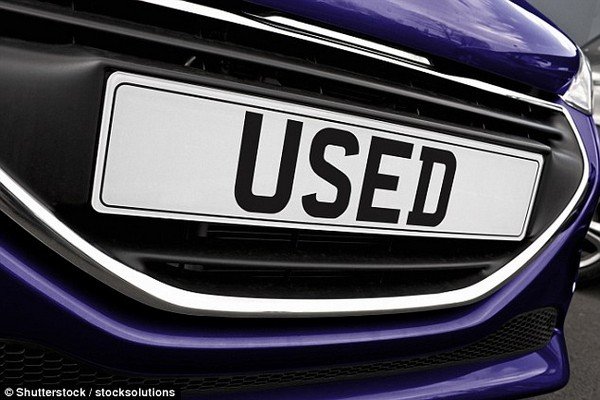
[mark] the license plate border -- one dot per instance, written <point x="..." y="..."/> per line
<point x="118" y="78"/>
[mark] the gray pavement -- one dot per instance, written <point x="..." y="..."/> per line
<point x="583" y="339"/>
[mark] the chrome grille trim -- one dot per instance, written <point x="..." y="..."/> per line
<point x="298" y="30"/>
<point x="28" y="211"/>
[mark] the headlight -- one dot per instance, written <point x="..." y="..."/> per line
<point x="579" y="94"/>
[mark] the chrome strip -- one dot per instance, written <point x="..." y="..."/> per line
<point x="340" y="40"/>
<point x="42" y="223"/>
<point x="291" y="28"/>
<point x="298" y="30"/>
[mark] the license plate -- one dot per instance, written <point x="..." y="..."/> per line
<point x="181" y="151"/>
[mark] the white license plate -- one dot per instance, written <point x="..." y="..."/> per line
<point x="175" y="150"/>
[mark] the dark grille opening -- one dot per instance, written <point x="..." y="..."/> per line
<point x="132" y="36"/>
<point x="307" y="283"/>
<point x="292" y="263"/>
<point x="28" y="364"/>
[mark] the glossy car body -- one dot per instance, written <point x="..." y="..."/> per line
<point x="47" y="301"/>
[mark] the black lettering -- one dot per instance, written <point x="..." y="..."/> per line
<point x="374" y="180"/>
<point x="330" y="137"/>
<point x="430" y="156"/>
<point x="247" y="166"/>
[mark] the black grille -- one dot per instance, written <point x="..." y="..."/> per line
<point x="28" y="364"/>
<point x="224" y="259"/>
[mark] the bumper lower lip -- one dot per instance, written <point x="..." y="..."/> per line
<point x="531" y="332"/>
<point x="73" y="320"/>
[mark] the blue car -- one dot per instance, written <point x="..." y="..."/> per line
<point x="299" y="199"/>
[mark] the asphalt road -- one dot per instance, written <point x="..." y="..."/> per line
<point x="583" y="339"/>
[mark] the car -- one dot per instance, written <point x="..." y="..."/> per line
<point x="299" y="199"/>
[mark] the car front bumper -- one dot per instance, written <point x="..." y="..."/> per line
<point x="63" y="326"/>
<point x="46" y="301"/>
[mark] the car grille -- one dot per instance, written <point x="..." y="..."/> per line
<point x="94" y="38"/>
<point x="29" y="364"/>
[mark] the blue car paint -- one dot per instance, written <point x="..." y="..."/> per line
<point x="77" y="319"/>
<point x="504" y="37"/>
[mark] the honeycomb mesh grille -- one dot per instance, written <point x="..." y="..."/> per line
<point x="24" y="363"/>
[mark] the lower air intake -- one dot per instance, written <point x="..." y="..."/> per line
<point x="28" y="364"/>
